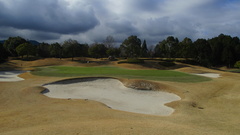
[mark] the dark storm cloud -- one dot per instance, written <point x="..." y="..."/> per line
<point x="55" y="16"/>
<point x="43" y="35"/>
<point x="28" y="34"/>
<point x="93" y="20"/>
<point x="122" y="26"/>
<point x="158" y="27"/>
<point x="145" y="5"/>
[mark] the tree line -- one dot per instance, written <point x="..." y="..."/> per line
<point x="19" y="47"/>
<point x="222" y="50"/>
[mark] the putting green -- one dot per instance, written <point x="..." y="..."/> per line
<point x="160" y="75"/>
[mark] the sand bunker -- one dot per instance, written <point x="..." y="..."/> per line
<point x="10" y="76"/>
<point x="114" y="94"/>
<point x="211" y="75"/>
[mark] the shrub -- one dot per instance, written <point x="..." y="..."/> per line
<point x="237" y="64"/>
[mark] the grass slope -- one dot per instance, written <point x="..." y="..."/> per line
<point x="235" y="70"/>
<point x="162" y="75"/>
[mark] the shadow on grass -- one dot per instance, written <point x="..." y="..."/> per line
<point x="154" y="63"/>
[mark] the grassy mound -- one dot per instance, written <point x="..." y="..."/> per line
<point x="235" y="70"/>
<point x="161" y="75"/>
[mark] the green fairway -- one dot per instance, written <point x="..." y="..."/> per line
<point x="163" y="75"/>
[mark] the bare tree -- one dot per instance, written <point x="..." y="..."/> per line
<point x="109" y="42"/>
<point x="71" y="48"/>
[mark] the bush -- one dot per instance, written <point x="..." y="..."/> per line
<point x="237" y="64"/>
<point x="167" y="64"/>
<point x="132" y="61"/>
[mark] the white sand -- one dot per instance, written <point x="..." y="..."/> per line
<point x="10" y="76"/>
<point x="115" y="95"/>
<point x="211" y="75"/>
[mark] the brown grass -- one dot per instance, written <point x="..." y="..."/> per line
<point x="206" y="108"/>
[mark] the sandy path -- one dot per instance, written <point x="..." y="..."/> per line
<point x="115" y="95"/>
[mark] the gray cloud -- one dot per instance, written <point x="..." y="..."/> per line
<point x="49" y="16"/>
<point x="28" y="34"/>
<point x="122" y="26"/>
<point x="157" y="27"/>
<point x="93" y="20"/>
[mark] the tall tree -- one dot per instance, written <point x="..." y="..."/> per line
<point x="162" y="49"/>
<point x="202" y="52"/>
<point x="151" y="51"/>
<point x="97" y="50"/>
<point x="132" y="46"/>
<point x="144" y="49"/>
<point x="173" y="46"/>
<point x="227" y="45"/>
<point x="3" y="53"/>
<point x="43" y="50"/>
<point x="236" y="46"/>
<point x="83" y="48"/>
<point x="185" y="48"/>
<point x="225" y="50"/>
<point x="228" y="56"/>
<point x="113" y="52"/>
<point x="167" y="48"/>
<point x="26" y="49"/>
<point x="217" y="50"/>
<point x="71" y="48"/>
<point x="109" y="42"/>
<point x="55" y="50"/>
<point x="11" y="44"/>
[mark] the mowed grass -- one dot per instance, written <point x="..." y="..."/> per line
<point x="159" y="75"/>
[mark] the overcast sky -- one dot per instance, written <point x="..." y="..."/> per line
<point x="89" y="21"/>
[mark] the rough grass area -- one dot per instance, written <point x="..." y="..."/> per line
<point x="234" y="70"/>
<point x="132" y="61"/>
<point x="160" y="75"/>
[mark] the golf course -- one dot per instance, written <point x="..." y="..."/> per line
<point x="54" y="96"/>
<point x="164" y="75"/>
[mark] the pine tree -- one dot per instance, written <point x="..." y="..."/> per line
<point x="144" y="49"/>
